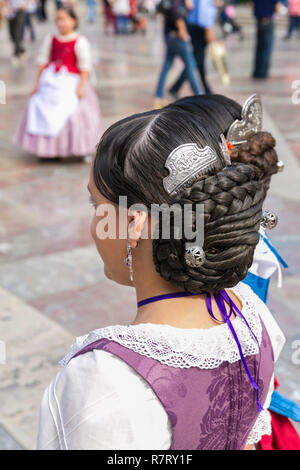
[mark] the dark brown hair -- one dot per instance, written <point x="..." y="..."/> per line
<point x="130" y="161"/>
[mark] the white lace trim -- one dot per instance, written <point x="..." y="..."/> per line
<point x="181" y="347"/>
<point x="261" y="427"/>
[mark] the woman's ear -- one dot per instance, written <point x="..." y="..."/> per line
<point x="137" y="226"/>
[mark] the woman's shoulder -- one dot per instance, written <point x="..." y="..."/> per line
<point x="92" y="393"/>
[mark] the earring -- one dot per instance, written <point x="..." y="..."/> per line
<point x="128" y="259"/>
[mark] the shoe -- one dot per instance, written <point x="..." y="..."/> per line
<point x="174" y="95"/>
<point x="23" y="57"/>
<point x="159" y="103"/>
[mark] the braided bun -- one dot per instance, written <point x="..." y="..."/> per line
<point x="259" y="151"/>
<point x="232" y="202"/>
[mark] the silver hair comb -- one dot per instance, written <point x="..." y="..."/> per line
<point x="251" y="122"/>
<point x="186" y="164"/>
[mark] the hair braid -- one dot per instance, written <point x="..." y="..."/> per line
<point x="232" y="202"/>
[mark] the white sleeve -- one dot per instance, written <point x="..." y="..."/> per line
<point x="99" y="402"/>
<point x="45" y="50"/>
<point x="83" y="54"/>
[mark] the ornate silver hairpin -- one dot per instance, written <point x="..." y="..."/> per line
<point x="186" y="164"/>
<point x="269" y="220"/>
<point x="194" y="256"/>
<point x="224" y="149"/>
<point x="251" y="122"/>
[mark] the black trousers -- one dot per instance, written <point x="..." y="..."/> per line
<point x="199" y="44"/>
<point x="264" y="47"/>
<point x="16" y="26"/>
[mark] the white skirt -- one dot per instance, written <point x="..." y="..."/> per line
<point x="54" y="102"/>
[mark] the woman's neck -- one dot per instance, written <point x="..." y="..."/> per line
<point x="182" y="312"/>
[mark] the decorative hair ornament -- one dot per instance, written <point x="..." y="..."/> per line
<point x="251" y="122"/>
<point x="226" y="149"/>
<point x="186" y="164"/>
<point x="280" y="165"/>
<point x="230" y="147"/>
<point x="269" y="220"/>
<point x="194" y="256"/>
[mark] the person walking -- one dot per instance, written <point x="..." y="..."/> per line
<point x="121" y="10"/>
<point x="264" y="12"/>
<point x="294" y="17"/>
<point x="16" y="20"/>
<point x="200" y="21"/>
<point x="91" y="7"/>
<point x="28" y="24"/>
<point x="178" y="43"/>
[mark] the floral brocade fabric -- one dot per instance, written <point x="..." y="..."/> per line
<point x="209" y="409"/>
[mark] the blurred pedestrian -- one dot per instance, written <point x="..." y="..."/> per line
<point x="62" y="117"/>
<point x="16" y="10"/>
<point x="91" y="10"/>
<point x="227" y="18"/>
<point x="42" y="10"/>
<point x="178" y="43"/>
<point x="28" y="24"/>
<point x="264" y="12"/>
<point x="200" y="22"/>
<point x="294" y="18"/>
<point x="109" y="17"/>
<point x="121" y="9"/>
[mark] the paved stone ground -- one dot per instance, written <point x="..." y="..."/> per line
<point x="52" y="282"/>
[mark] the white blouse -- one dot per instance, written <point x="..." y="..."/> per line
<point x="97" y="401"/>
<point x="82" y="50"/>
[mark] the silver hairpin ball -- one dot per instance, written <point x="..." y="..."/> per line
<point x="194" y="256"/>
<point x="280" y="165"/>
<point x="269" y="220"/>
<point x="186" y="164"/>
<point x="251" y="122"/>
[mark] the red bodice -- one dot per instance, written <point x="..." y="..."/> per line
<point x="63" y="54"/>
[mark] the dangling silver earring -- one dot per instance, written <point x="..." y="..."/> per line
<point x="128" y="259"/>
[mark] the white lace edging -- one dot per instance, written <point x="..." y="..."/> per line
<point x="181" y="347"/>
<point x="261" y="427"/>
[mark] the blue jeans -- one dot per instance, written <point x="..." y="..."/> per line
<point x="183" y="49"/>
<point x="264" y="47"/>
<point x="294" y="25"/>
<point x="199" y="49"/>
<point x="91" y="10"/>
<point x="121" y="24"/>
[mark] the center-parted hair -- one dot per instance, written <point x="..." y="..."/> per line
<point x="130" y="161"/>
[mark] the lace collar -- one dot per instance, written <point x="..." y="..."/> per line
<point x="182" y="347"/>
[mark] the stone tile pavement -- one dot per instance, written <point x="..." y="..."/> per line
<point x="52" y="285"/>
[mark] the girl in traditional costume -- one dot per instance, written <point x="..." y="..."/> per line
<point x="62" y="117"/>
<point x="194" y="370"/>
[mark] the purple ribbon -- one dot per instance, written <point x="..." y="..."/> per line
<point x="220" y="297"/>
